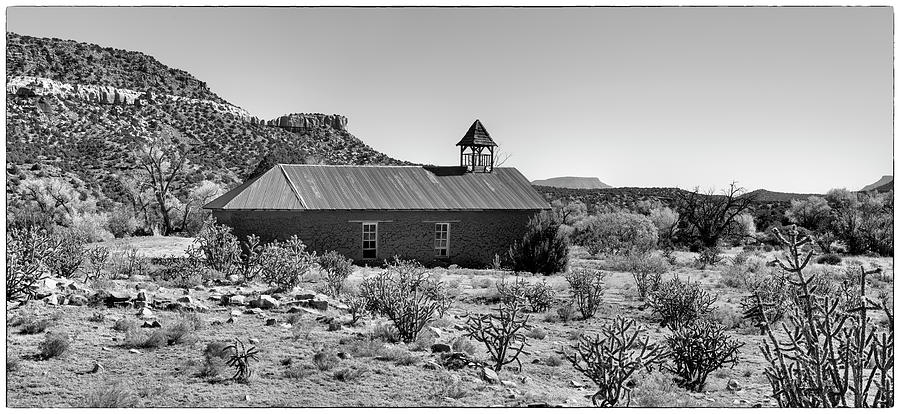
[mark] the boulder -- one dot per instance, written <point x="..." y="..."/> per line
<point x="237" y="300"/>
<point x="733" y="385"/>
<point x="305" y="295"/>
<point x="154" y="324"/>
<point x="113" y="298"/>
<point x="146" y="313"/>
<point x="271" y="322"/>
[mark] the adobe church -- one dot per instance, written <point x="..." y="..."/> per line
<point x="435" y="215"/>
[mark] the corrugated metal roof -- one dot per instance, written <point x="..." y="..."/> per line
<point x="350" y="187"/>
<point x="477" y="135"/>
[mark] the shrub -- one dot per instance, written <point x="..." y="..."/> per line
<point x="540" y="296"/>
<point x="215" y="356"/>
<point x="35" y="326"/>
<point x="829" y="259"/>
<point x="185" y="272"/>
<point x="356" y="306"/>
<point x="774" y="292"/>
<point x="26" y="250"/>
<point x="325" y="360"/>
<point x="386" y="332"/>
<point x="139" y="339"/>
<point x="298" y="371"/>
<point x="121" y="222"/>
<point x="66" y="255"/>
<point x="114" y="395"/>
<point x="647" y="272"/>
<point x="404" y="294"/>
<point x="54" y="345"/>
<point x="182" y="331"/>
<point x="364" y="347"/>
<point x="220" y="248"/>
<point x="351" y="373"/>
<point x="709" y="256"/>
<point x="448" y="387"/>
<point x="97" y="259"/>
<point x="740" y="258"/>
<point x="125" y="325"/>
<point x="90" y="227"/>
<point x="612" y="357"/>
<point x="616" y="233"/>
<point x="543" y="249"/>
<point x="536" y="333"/>
<point x="699" y="348"/>
<point x="587" y="289"/>
<point x="337" y="269"/>
<point x="678" y="303"/>
<point x="128" y="261"/>
<point x="499" y="332"/>
<point x="461" y="344"/>
<point x="283" y="264"/>
<point x="566" y="312"/>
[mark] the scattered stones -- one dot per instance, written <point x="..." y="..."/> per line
<point x="237" y="300"/>
<point x="154" y="324"/>
<point x="455" y="360"/>
<point x="236" y="312"/>
<point x="298" y="309"/>
<point x="53" y="299"/>
<point x="305" y="295"/>
<point x="134" y="351"/>
<point x="271" y="322"/>
<point x="185" y="299"/>
<point x="344" y="355"/>
<point x="440" y="348"/>
<point x="733" y="385"/>
<point x="254" y="341"/>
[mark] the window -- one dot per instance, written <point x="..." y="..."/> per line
<point x="441" y="239"/>
<point x="369" y="240"/>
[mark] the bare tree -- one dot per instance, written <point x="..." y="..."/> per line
<point x="709" y="216"/>
<point x="162" y="157"/>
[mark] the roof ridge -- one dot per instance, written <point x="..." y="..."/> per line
<point x="378" y="166"/>
<point x="293" y="188"/>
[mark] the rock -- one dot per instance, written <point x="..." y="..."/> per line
<point x="141" y="299"/>
<point x="436" y="331"/>
<point x="113" y="298"/>
<point x="145" y="313"/>
<point x="230" y="320"/>
<point x="134" y="351"/>
<point x="509" y="384"/>
<point x="154" y="324"/>
<point x="440" y="348"/>
<point x="53" y="299"/>
<point x="185" y="299"/>
<point x="453" y="267"/>
<point x="265" y="302"/>
<point x="431" y="365"/>
<point x="298" y="309"/>
<point x="236" y="312"/>
<point x="301" y="122"/>
<point x="576" y="384"/>
<point x="254" y="341"/>
<point x="733" y="385"/>
<point x="317" y="304"/>
<point x="344" y="355"/>
<point x="490" y="376"/>
<point x="526" y="380"/>
<point x="454" y="360"/>
<point x="271" y="322"/>
<point x="237" y="300"/>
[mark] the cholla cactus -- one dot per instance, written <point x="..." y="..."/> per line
<point x="610" y="358"/>
<point x="827" y="352"/>
<point x="500" y="333"/>
<point x="404" y="294"/>
<point x="26" y="250"/>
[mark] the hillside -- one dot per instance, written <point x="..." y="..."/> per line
<point x="885" y="183"/>
<point x="572" y="182"/>
<point x="81" y="108"/>
<point x="774" y="196"/>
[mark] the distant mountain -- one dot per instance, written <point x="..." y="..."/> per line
<point x="587" y="183"/>
<point x="885" y="183"/>
<point x="81" y="108"/>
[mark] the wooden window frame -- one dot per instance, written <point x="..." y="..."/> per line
<point x="363" y="240"/>
<point x="441" y="227"/>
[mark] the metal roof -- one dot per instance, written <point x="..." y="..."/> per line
<point x="477" y="135"/>
<point x="351" y="187"/>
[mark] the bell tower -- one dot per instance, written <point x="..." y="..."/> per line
<point x="476" y="149"/>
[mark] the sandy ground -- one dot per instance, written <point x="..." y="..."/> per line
<point x="168" y="377"/>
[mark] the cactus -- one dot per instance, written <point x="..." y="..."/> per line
<point x="240" y="360"/>
<point x="587" y="288"/>
<point x="537" y="296"/>
<point x="404" y="294"/>
<point x="679" y="303"/>
<point x="97" y="258"/>
<point x="828" y="352"/>
<point x="26" y="250"/>
<point x="610" y="358"/>
<point x="697" y="349"/>
<point x="500" y="333"/>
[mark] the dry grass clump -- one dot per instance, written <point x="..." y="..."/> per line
<point x="35" y="326"/>
<point x="536" y="333"/>
<point x="215" y="357"/>
<point x="448" y="386"/>
<point x="351" y="373"/>
<point x="125" y="325"/>
<point x="113" y="395"/>
<point x="463" y="344"/>
<point x="325" y="360"/>
<point x="366" y="348"/>
<point x="54" y="345"/>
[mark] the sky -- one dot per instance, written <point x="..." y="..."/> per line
<point x="787" y="99"/>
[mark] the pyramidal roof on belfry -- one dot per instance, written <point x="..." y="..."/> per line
<point x="477" y="135"/>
